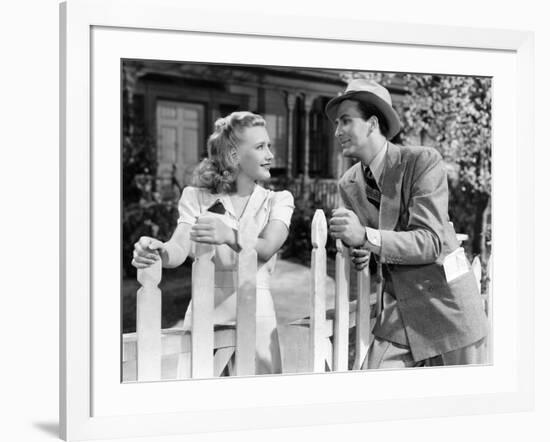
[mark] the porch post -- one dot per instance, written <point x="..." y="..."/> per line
<point x="308" y="103"/>
<point x="290" y="104"/>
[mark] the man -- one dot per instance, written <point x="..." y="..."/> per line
<point x="396" y="202"/>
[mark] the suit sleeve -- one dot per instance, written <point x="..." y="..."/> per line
<point x="421" y="241"/>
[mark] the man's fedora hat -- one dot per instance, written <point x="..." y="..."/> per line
<point x="370" y="92"/>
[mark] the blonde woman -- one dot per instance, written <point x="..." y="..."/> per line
<point x="225" y="190"/>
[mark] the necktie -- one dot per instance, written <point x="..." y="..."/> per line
<point x="373" y="191"/>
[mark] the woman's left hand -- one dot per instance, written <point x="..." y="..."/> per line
<point x="211" y="229"/>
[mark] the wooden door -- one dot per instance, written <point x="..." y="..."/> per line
<point x="180" y="140"/>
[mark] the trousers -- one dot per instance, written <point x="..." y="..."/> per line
<point x="385" y="354"/>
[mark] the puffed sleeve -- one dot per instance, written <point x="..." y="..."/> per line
<point x="189" y="206"/>
<point x="282" y="207"/>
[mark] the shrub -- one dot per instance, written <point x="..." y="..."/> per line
<point x="145" y="218"/>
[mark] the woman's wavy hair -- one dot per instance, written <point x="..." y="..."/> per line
<point x="218" y="172"/>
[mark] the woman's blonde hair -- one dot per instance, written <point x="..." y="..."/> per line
<point x="218" y="172"/>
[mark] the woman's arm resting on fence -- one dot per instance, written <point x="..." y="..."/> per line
<point x="270" y="240"/>
<point x="146" y="252"/>
<point x="210" y="229"/>
<point x="176" y="249"/>
<point x="172" y="253"/>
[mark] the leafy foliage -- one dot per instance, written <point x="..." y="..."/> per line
<point x="298" y="243"/>
<point x="454" y="114"/>
<point x="145" y="218"/>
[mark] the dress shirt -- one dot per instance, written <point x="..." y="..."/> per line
<point x="377" y="169"/>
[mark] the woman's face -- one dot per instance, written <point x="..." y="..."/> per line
<point x="254" y="154"/>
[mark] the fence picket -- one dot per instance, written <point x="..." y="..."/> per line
<point x="318" y="292"/>
<point x="245" y="352"/>
<point x="379" y="290"/>
<point x="489" y="300"/>
<point x="148" y="323"/>
<point x="362" y="322"/>
<point x="476" y="267"/>
<point x="341" y="314"/>
<point x="202" y="298"/>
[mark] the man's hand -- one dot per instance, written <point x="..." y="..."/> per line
<point x="211" y="229"/>
<point x="360" y="258"/>
<point x="345" y="225"/>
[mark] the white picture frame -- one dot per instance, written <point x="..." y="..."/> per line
<point x="88" y="412"/>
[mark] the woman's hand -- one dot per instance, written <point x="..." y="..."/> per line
<point x="211" y="229"/>
<point x="360" y="258"/>
<point x="147" y="251"/>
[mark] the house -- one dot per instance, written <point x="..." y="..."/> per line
<point x="176" y="104"/>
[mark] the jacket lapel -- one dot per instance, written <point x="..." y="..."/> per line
<point x="355" y="190"/>
<point x="390" y="202"/>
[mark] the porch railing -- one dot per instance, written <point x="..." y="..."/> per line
<point x="323" y="192"/>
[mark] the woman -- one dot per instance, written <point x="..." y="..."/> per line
<point x="239" y="156"/>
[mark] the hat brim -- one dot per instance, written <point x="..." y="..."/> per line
<point x="392" y="119"/>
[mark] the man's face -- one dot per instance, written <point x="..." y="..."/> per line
<point x="352" y="130"/>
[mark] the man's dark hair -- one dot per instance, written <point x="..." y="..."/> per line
<point x="368" y="110"/>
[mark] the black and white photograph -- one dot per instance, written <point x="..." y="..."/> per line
<point x="281" y="220"/>
<point x="271" y="221"/>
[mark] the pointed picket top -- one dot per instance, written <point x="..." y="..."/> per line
<point x="248" y="233"/>
<point x="319" y="229"/>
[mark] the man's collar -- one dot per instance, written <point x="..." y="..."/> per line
<point x="377" y="163"/>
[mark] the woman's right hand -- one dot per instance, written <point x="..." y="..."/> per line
<point x="147" y="251"/>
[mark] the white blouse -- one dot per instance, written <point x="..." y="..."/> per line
<point x="264" y="206"/>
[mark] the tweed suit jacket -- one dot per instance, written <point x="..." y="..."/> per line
<point x="416" y="236"/>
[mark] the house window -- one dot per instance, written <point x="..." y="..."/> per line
<point x="323" y="160"/>
<point x="276" y="128"/>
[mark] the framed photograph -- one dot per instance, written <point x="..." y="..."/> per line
<point x="142" y="91"/>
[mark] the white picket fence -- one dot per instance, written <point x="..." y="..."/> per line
<point x="204" y="351"/>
